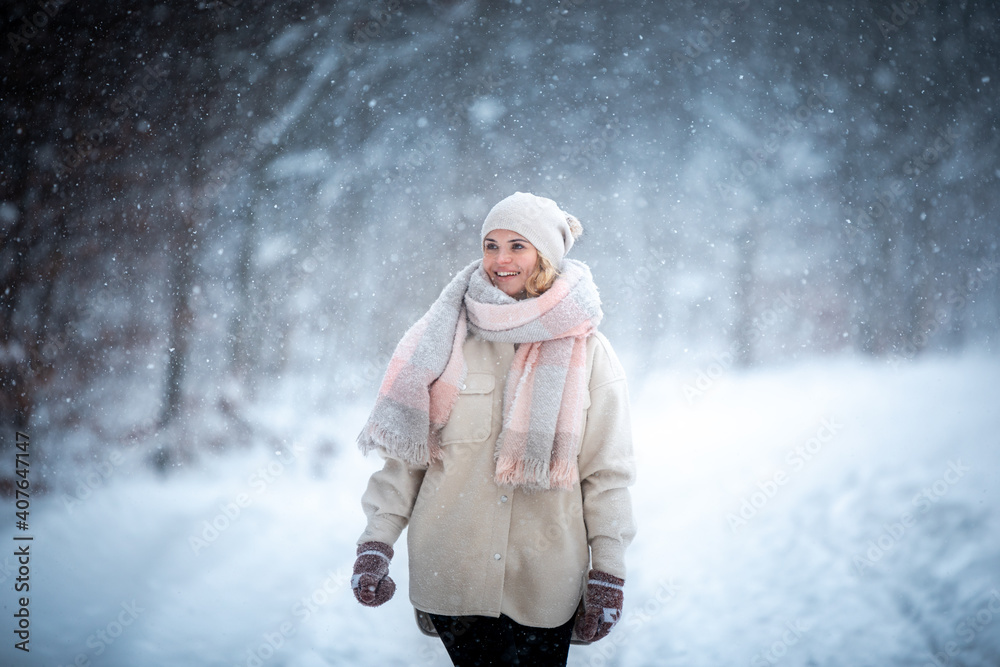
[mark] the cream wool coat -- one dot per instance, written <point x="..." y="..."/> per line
<point x="479" y="549"/>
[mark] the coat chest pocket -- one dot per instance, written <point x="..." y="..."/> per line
<point x="471" y="419"/>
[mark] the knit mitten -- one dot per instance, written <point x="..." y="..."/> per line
<point x="602" y="606"/>
<point x="371" y="583"/>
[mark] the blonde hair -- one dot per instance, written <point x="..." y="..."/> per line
<point x="545" y="273"/>
<point x="542" y="277"/>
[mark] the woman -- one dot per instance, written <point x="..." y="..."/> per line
<point x="503" y="420"/>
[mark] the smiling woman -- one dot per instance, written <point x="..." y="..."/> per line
<point x="524" y="239"/>
<point x="478" y="473"/>
<point x="509" y="261"/>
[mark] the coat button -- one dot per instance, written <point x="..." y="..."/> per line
<point x="496" y="556"/>
<point x="503" y="499"/>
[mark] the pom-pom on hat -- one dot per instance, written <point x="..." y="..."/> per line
<point x="539" y="220"/>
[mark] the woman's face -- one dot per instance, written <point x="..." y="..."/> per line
<point x="509" y="260"/>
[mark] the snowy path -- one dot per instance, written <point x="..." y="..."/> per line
<point x="877" y="542"/>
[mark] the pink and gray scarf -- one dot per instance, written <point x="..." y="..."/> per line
<point x="546" y="384"/>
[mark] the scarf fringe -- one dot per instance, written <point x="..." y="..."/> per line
<point x="375" y="437"/>
<point x="537" y="475"/>
<point x="563" y="474"/>
<point x="530" y="473"/>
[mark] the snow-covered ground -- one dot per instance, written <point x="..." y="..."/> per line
<point x="831" y="513"/>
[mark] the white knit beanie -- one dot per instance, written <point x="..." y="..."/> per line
<point x="539" y="220"/>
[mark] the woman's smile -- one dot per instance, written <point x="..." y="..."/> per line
<point x="509" y="260"/>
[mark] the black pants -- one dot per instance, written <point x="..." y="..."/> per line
<point x="481" y="641"/>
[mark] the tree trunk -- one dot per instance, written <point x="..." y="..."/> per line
<point x="179" y="294"/>
<point x="747" y="254"/>
<point x="242" y="352"/>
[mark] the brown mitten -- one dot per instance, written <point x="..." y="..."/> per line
<point x="602" y="606"/>
<point x="371" y="583"/>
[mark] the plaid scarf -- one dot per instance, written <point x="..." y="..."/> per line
<point x="545" y="388"/>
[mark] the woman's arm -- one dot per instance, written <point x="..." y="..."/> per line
<point x="607" y="466"/>
<point x="389" y="499"/>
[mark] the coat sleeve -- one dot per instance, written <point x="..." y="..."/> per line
<point x="607" y="466"/>
<point x="388" y="500"/>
